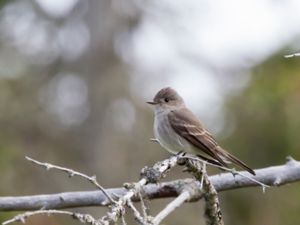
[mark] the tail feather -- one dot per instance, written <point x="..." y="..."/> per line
<point x="236" y="161"/>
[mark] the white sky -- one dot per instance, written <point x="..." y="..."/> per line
<point x="183" y="43"/>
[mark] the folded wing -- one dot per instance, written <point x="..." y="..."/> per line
<point x="186" y="124"/>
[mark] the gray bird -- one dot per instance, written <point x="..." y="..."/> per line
<point x="177" y="129"/>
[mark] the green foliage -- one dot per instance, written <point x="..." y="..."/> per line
<point x="267" y="125"/>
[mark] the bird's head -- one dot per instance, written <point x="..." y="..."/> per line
<point x="167" y="98"/>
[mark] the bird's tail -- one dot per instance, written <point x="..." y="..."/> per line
<point x="236" y="161"/>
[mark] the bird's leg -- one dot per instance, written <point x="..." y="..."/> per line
<point x="180" y="158"/>
<point x="181" y="153"/>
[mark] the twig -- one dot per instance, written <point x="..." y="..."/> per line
<point x="188" y="190"/>
<point x="203" y="171"/>
<point x="83" y="218"/>
<point x="143" y="205"/>
<point x="193" y="193"/>
<point x="212" y="207"/>
<point x="292" y="55"/>
<point x="137" y="214"/>
<point x="148" y="175"/>
<point x="123" y="220"/>
<point x="233" y="171"/>
<point x="213" y="212"/>
<point x="154" y="140"/>
<point x="177" y="202"/>
<point x="72" y="173"/>
<point x="272" y="176"/>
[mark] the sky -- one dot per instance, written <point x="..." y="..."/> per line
<point x="204" y="49"/>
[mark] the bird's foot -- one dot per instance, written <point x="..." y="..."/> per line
<point x="180" y="158"/>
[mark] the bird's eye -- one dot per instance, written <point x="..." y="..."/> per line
<point x="167" y="99"/>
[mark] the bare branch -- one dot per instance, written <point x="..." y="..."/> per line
<point x="212" y="207"/>
<point x="136" y="213"/>
<point x="213" y="212"/>
<point x="143" y="205"/>
<point x="177" y="202"/>
<point x="231" y="170"/>
<point x="72" y="173"/>
<point x="148" y="175"/>
<point x="273" y="176"/>
<point x="292" y="55"/>
<point x="83" y="218"/>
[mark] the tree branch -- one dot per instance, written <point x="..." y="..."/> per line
<point x="177" y="202"/>
<point x="84" y="218"/>
<point x="273" y="176"/>
<point x="213" y="212"/>
<point x="72" y="173"/>
<point x="292" y="55"/>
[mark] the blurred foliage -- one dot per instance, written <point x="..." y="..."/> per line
<point x="40" y="116"/>
<point x="3" y="2"/>
<point x="266" y="118"/>
<point x="266" y="113"/>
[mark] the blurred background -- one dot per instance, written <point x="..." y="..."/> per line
<point x="75" y="75"/>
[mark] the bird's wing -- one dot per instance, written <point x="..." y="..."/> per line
<point x="186" y="124"/>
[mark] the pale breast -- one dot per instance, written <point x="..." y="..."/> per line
<point x="166" y="136"/>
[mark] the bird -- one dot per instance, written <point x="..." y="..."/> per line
<point x="177" y="129"/>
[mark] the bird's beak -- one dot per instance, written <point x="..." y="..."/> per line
<point x="152" y="103"/>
